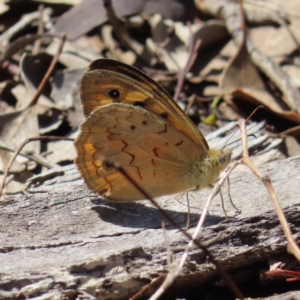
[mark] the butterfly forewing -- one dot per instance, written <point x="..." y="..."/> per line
<point x="107" y="76"/>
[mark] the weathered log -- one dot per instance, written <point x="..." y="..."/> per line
<point x="60" y="240"/>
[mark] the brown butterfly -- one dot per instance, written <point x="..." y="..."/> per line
<point x="131" y="120"/>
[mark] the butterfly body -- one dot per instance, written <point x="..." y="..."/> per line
<point x="136" y="124"/>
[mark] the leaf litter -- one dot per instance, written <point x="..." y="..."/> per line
<point x="158" y="40"/>
<point x="228" y="78"/>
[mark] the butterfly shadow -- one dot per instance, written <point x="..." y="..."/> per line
<point x="140" y="215"/>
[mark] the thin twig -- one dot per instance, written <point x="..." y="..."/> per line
<point x="193" y="239"/>
<point x="167" y="245"/>
<point x="120" y="29"/>
<point x="243" y="19"/>
<point x="191" y="101"/>
<point x="171" y="277"/>
<point x="38" y="158"/>
<point x="21" y="43"/>
<point x="292" y="245"/>
<point x="33" y="102"/>
<point x="275" y="7"/>
<point x="48" y="73"/>
<point x="24" y="21"/>
<point x="193" y="52"/>
<point x="154" y="284"/>
<point x="295" y="276"/>
<point x="44" y="138"/>
<point x="38" y="42"/>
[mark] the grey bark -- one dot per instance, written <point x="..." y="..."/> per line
<point x="60" y="240"/>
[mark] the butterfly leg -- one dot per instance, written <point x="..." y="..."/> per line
<point x="228" y="182"/>
<point x="223" y="206"/>
<point x="188" y="213"/>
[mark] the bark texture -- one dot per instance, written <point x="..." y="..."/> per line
<point x="60" y="240"/>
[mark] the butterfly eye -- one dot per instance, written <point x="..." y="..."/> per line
<point x="144" y="122"/>
<point x="223" y="158"/>
<point x="107" y="165"/>
<point x="132" y="127"/>
<point x="114" y="93"/>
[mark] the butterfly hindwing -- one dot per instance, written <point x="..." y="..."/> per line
<point x="148" y="147"/>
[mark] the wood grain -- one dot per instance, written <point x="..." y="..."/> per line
<point x="62" y="240"/>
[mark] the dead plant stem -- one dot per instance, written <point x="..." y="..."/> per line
<point x="292" y="245"/>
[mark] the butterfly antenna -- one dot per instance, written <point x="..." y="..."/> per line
<point x="226" y="144"/>
<point x="248" y="135"/>
<point x="254" y="111"/>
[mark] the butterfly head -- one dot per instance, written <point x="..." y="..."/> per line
<point x="223" y="158"/>
<point x="212" y="165"/>
<point x="219" y="159"/>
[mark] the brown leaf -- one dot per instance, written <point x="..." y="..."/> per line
<point x="15" y="128"/>
<point x="242" y="80"/>
<point x="89" y="14"/>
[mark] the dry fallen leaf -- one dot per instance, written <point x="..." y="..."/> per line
<point x="242" y="81"/>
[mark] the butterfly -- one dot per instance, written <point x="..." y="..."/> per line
<point x="130" y="120"/>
